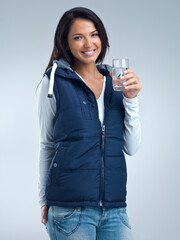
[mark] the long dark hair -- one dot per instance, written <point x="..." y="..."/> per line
<point x="62" y="30"/>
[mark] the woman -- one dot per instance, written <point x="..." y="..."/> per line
<point x="85" y="128"/>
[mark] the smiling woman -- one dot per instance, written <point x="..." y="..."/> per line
<point x="84" y="42"/>
<point x="82" y="183"/>
<point x="87" y="26"/>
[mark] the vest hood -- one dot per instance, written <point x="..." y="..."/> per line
<point x="66" y="67"/>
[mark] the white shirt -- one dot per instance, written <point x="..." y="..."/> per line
<point x="100" y="100"/>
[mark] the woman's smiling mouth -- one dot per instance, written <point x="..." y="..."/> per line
<point x="89" y="53"/>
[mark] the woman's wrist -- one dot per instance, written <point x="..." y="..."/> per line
<point x="133" y="99"/>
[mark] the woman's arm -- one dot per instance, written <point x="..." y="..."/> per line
<point x="132" y="124"/>
<point x="132" y="134"/>
<point x="46" y="112"/>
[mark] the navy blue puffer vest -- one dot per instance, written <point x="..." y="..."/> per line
<point x="88" y="167"/>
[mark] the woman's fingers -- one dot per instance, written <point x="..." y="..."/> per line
<point x="130" y="81"/>
<point x="127" y="76"/>
<point x="44" y="214"/>
<point x="134" y="87"/>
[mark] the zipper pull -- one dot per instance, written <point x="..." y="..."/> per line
<point x="102" y="135"/>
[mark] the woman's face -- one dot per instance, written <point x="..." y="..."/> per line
<point x="84" y="41"/>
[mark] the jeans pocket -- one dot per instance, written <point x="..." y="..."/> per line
<point x="66" y="219"/>
<point x="124" y="217"/>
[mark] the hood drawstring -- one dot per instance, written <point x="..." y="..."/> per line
<point x="51" y="84"/>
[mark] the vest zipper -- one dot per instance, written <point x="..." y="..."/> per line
<point x="102" y="165"/>
<point x="102" y="147"/>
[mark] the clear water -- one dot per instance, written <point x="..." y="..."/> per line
<point x="117" y="82"/>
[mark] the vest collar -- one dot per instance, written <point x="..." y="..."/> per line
<point x="62" y="67"/>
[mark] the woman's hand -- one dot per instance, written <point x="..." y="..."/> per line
<point x="44" y="214"/>
<point x="132" y="84"/>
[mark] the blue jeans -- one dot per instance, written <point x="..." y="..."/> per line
<point x="88" y="223"/>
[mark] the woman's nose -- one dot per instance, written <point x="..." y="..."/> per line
<point x="88" y="43"/>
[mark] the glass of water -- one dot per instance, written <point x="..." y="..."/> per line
<point x="119" y="65"/>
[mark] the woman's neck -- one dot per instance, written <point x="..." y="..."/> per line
<point x="87" y="71"/>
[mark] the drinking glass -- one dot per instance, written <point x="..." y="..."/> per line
<point x="119" y="65"/>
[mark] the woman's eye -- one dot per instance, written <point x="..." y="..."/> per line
<point x="76" y="38"/>
<point x="94" y="34"/>
<point x="80" y="37"/>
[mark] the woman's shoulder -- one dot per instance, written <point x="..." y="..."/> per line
<point x="43" y="86"/>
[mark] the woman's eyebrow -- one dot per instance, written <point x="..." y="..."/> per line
<point x="82" y="34"/>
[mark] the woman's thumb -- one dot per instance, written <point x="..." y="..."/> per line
<point x="44" y="214"/>
<point x="44" y="218"/>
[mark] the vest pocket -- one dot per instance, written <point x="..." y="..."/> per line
<point x="85" y="109"/>
<point x="84" y="104"/>
<point x="57" y="163"/>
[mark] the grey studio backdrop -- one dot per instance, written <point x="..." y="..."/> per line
<point x="146" y="32"/>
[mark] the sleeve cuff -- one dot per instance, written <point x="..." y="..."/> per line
<point x="130" y="100"/>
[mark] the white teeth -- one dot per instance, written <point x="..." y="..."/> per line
<point x="89" y="52"/>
